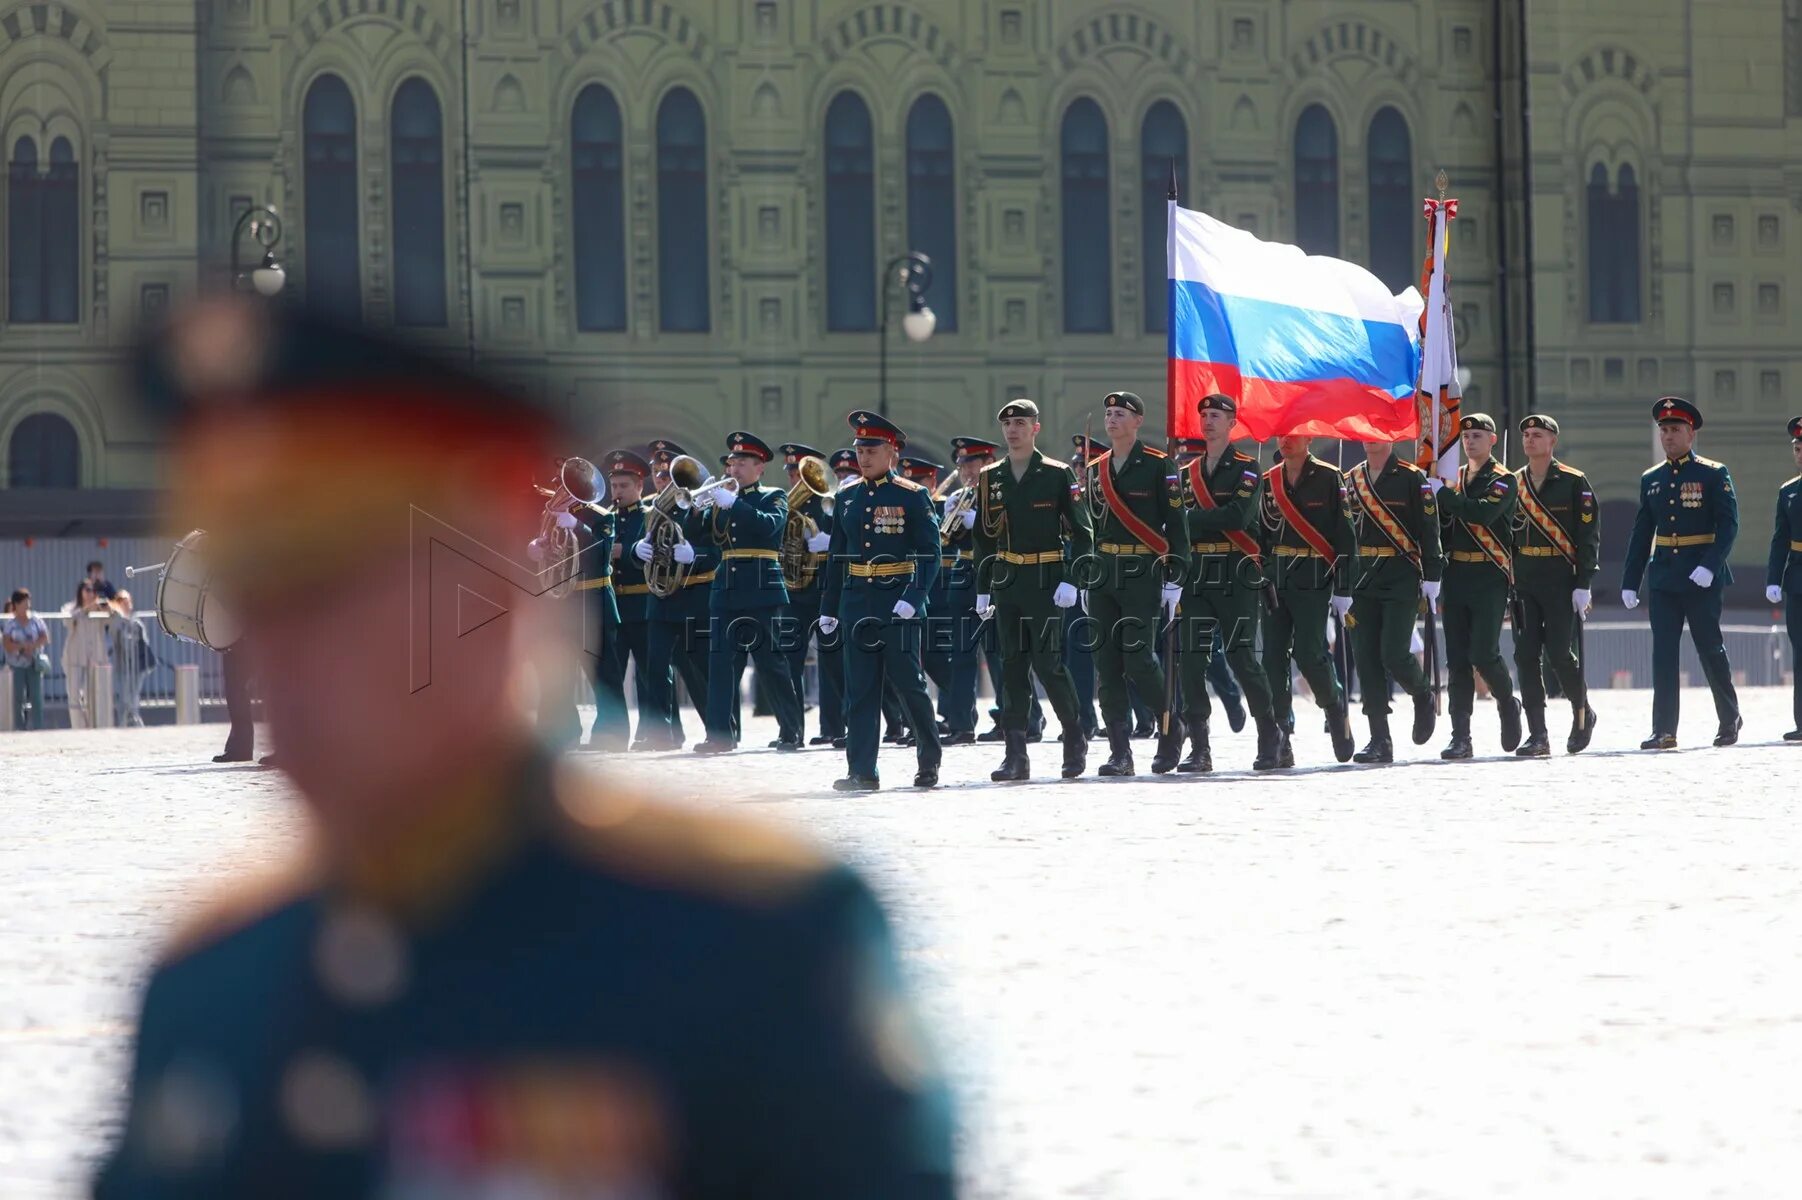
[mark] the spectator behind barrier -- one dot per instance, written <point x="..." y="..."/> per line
<point x="24" y="638"/>
<point x="132" y="660"/>
<point x="97" y="579"/>
<point x="84" y="647"/>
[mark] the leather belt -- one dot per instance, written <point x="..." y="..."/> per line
<point x="880" y="570"/>
<point x="770" y="554"/>
<point x="692" y="580"/>
<point x="951" y="560"/>
<point x="1376" y="551"/>
<point x="1212" y="547"/>
<point x="1679" y="540"/>
<point x="588" y="585"/>
<point x="1538" y="551"/>
<point x="1795" y="547"/>
<point x="1029" y="560"/>
<point x="1298" y="552"/>
<point x="1476" y="556"/>
<point x="633" y="589"/>
<point x="1124" y="548"/>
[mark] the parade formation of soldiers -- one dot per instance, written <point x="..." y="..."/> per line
<point x="1140" y="576"/>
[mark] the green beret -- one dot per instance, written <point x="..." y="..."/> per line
<point x="1539" y="421"/>
<point x="1127" y="400"/>
<point x="1018" y="408"/>
<point x="1217" y="402"/>
<point x="1476" y="421"/>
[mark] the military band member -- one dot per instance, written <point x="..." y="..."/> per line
<point x="1026" y="505"/>
<point x="1477" y="533"/>
<point x="1308" y="545"/>
<point x="935" y="650"/>
<point x="1682" y="539"/>
<point x="1225" y="588"/>
<point x="600" y="610"/>
<point x="1783" y="574"/>
<point x="1557" y="539"/>
<point x="1141" y="537"/>
<point x="957" y="582"/>
<point x="625" y="645"/>
<point x="804" y="603"/>
<point x="884" y="558"/>
<point x="748" y="604"/>
<point x="690" y="660"/>
<point x="676" y="646"/>
<point x="1397" y="562"/>
<point x="662" y="452"/>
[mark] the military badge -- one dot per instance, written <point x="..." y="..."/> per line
<point x="1690" y="494"/>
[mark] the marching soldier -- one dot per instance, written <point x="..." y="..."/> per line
<point x="1080" y="628"/>
<point x="1225" y="586"/>
<point x="663" y="452"/>
<point x="957" y="580"/>
<point x="600" y="611"/>
<point x="1478" y="538"/>
<point x="690" y="666"/>
<point x="1682" y="539"/>
<point x="1308" y="543"/>
<point x="627" y="641"/>
<point x="935" y="652"/>
<point x="884" y="559"/>
<point x="804" y="603"/>
<point x="1397" y="562"/>
<point x="1137" y="509"/>
<point x="748" y="604"/>
<point x="676" y="645"/>
<point x="1783" y="575"/>
<point x="1026" y="503"/>
<point x="1557" y="539"/>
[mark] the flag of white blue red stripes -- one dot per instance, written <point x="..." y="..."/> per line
<point x="1302" y="343"/>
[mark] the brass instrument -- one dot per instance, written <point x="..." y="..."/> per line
<point x="798" y="567"/>
<point x="689" y="483"/>
<point x="953" y="523"/>
<point x="578" y="482"/>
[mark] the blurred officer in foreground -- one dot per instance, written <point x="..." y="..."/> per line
<point x="1783" y="576"/>
<point x="489" y="973"/>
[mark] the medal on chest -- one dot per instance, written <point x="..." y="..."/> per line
<point x="1690" y="495"/>
<point x="888" y="518"/>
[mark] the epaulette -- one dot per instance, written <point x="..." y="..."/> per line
<point x="1709" y="462"/>
<point x="1054" y="462"/>
<point x="990" y="467"/>
<point x="849" y="484"/>
<point x="1408" y="466"/>
<point x="1797" y="479"/>
<point x="241" y="903"/>
<point x="1155" y="452"/>
<point x="908" y="483"/>
<point x="1652" y="470"/>
<point x="670" y="846"/>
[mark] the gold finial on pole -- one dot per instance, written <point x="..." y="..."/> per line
<point x="1441" y="182"/>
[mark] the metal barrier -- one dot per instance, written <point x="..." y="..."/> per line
<point x="183" y="671"/>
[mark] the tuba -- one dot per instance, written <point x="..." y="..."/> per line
<point x="798" y="566"/>
<point x="689" y="483"/>
<point x="578" y="482"/>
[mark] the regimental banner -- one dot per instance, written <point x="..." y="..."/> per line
<point x="1437" y="398"/>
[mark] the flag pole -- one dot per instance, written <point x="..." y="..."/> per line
<point x="1170" y="640"/>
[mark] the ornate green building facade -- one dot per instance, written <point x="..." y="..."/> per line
<point x="672" y="214"/>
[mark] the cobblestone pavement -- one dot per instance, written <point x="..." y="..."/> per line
<point x="1570" y="978"/>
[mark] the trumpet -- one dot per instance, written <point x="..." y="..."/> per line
<point x="689" y="484"/>
<point x="578" y="483"/>
<point x="953" y="524"/>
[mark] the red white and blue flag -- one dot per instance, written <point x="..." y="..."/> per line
<point x="1302" y="343"/>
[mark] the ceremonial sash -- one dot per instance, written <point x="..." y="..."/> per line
<point x="1544" y="521"/>
<point x="1373" y="506"/>
<point x="1279" y="490"/>
<point x="1141" y="532"/>
<point x="1486" y="541"/>
<point x="1204" y="496"/>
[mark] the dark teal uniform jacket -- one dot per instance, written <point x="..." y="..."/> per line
<point x="1688" y="518"/>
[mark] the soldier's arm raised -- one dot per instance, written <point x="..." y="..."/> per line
<point x="760" y="515"/>
<point x="1491" y="505"/>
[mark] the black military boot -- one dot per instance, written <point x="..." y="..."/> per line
<point x="1270" y="744"/>
<point x="1338" y="724"/>
<point x="1660" y="741"/>
<point x="1459" y="748"/>
<point x="997" y="734"/>
<point x="1379" y="749"/>
<point x="1119" y="752"/>
<point x="1539" y="742"/>
<point x="1728" y="732"/>
<point x="1170" y="747"/>
<point x="1508" y="708"/>
<point x="1285" y="755"/>
<point x="1201" y="758"/>
<point x="1582" y="728"/>
<point x="1014" y="765"/>
<point x="1076" y="753"/>
<point x="1425" y="718"/>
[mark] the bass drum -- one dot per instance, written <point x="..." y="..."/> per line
<point x="186" y="606"/>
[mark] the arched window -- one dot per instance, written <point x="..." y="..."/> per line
<point x="1088" y="256"/>
<point x="850" y="215"/>
<point x="329" y="123"/>
<point x="596" y="165"/>
<point x="932" y="202"/>
<point x="1163" y="141"/>
<point x="682" y="214"/>
<point x="417" y="165"/>
<point x="43" y="453"/>
<point x="1613" y="247"/>
<point x="43" y="261"/>
<point x="1392" y="201"/>
<point x="1317" y="182"/>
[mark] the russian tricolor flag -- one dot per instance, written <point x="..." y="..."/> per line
<point x="1304" y="344"/>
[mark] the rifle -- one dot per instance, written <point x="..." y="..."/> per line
<point x="1432" y="640"/>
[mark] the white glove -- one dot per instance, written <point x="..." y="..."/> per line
<point x="818" y="542"/>
<point x="1579" y="601"/>
<point x="827" y="625"/>
<point x="641" y="550"/>
<point x="1629" y="599"/>
<point x="566" y="520"/>
<point x="1064" y="596"/>
<point x="1173" y="596"/>
<point x="1774" y="594"/>
<point x="685" y="552"/>
<point x="1702" y="577"/>
<point x="984" y="609"/>
<point x="969" y="519"/>
<point x="904" y="611"/>
<point x="1341" y="605"/>
<point x="1430" y="589"/>
<point x="723" y="498"/>
<point x="535" y="550"/>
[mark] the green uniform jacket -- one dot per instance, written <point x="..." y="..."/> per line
<point x="1319" y="494"/>
<point x="1484" y="498"/>
<point x="1403" y="487"/>
<point x="1028" y="517"/>
<point x="1566" y="495"/>
<point x="1234" y="485"/>
<point x="1784" y="569"/>
<point x="1147" y="487"/>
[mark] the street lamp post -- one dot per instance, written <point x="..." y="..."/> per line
<point x="265" y="226"/>
<point x="912" y="271"/>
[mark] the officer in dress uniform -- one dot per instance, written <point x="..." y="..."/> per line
<point x="1783" y="574"/>
<point x="1557" y="539"/>
<point x="961" y="628"/>
<point x="1307" y="543"/>
<point x="676" y="646"/>
<point x="694" y="1005"/>
<point x="804" y="602"/>
<point x="1142" y="553"/>
<point x="1682" y="539"/>
<point x="748" y="604"/>
<point x="1476" y="519"/>
<point x="625" y="644"/>
<point x="1225" y="588"/>
<point x="1031" y="529"/>
<point x="884" y="559"/>
<point x="1398" y="562"/>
